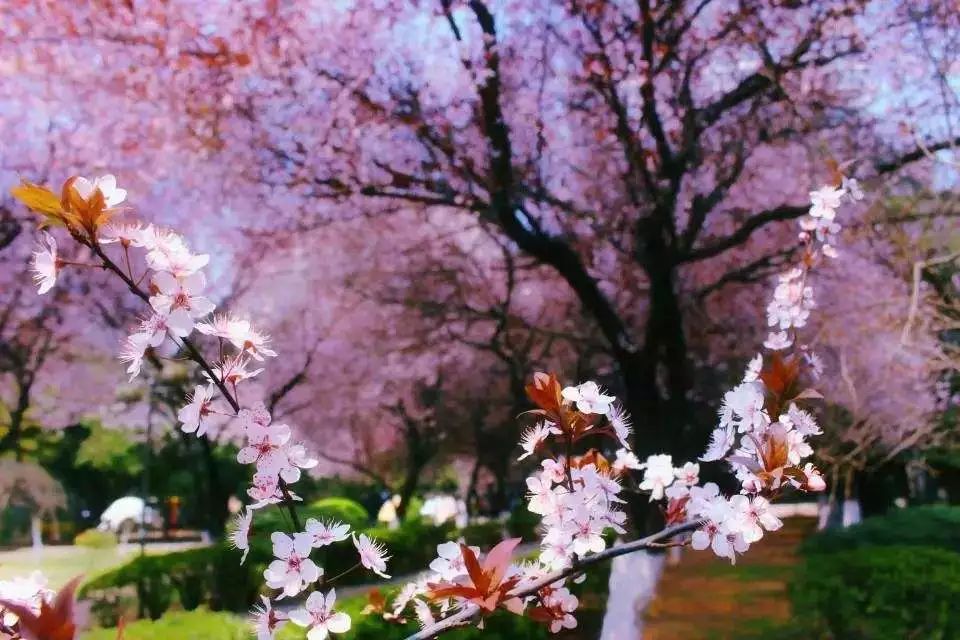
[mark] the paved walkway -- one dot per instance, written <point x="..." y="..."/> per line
<point x="702" y="597"/>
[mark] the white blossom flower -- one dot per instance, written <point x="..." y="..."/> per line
<point x="588" y="397"/>
<point x="28" y="592"/>
<point x="753" y="368"/>
<point x="814" y="480"/>
<point x="424" y="615"/>
<point x="688" y="474"/>
<point x="587" y="531"/>
<point x="743" y="407"/>
<point x="263" y="441"/>
<point x="724" y="541"/>
<point x="540" y="492"/>
<point x="535" y="436"/>
<point x="318" y="614"/>
<point x="129" y="234"/>
<point x="553" y="470"/>
<point x="112" y="195"/>
<point x="777" y="341"/>
<point x="180" y="293"/>
<point x="45" y="264"/>
<point x="657" y="475"/>
<point x="373" y="555"/>
<point x="620" y="421"/>
<point x="287" y="461"/>
<point x="266" y="620"/>
<point x="757" y="516"/>
<point x="449" y="561"/>
<point x="255" y="416"/>
<point x="801" y="420"/>
<point x="132" y="351"/>
<point x="561" y="603"/>
<point x="232" y="370"/>
<point x="815" y="362"/>
<point x="239" y="536"/>
<point x="193" y="416"/>
<point x="851" y="186"/>
<point x="293" y="569"/>
<point x="721" y="441"/>
<point x="825" y="201"/>
<point x="168" y="251"/>
<point x="325" y="533"/>
<point x="177" y="323"/>
<point x="240" y="333"/>
<point x="625" y="459"/>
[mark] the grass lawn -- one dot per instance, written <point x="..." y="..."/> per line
<point x="61" y="563"/>
<point x="705" y="598"/>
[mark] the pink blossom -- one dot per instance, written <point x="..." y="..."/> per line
<point x="45" y="264"/>
<point x="266" y="620"/>
<point x="293" y="569"/>
<point x="535" y="436"/>
<point x="657" y="475"/>
<point x="239" y="536"/>
<point x="373" y="555"/>
<point x="326" y="533"/>
<point x="180" y="293"/>
<point x="112" y="195"/>
<point x="318" y="615"/>
<point x="589" y="398"/>
<point x="193" y="416"/>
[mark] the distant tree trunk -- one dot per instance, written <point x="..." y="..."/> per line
<point x="411" y="480"/>
<point x="11" y="440"/>
<point x="472" y="498"/>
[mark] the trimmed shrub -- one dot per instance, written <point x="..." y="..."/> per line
<point x="211" y="575"/>
<point x="483" y="534"/>
<point x="96" y="539"/>
<point x="930" y="526"/>
<point x="523" y="523"/>
<point x="343" y="509"/>
<point x="880" y="593"/>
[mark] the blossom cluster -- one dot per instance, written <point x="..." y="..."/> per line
<point x="761" y="434"/>
<point x="178" y="307"/>
<point x="28" y="592"/>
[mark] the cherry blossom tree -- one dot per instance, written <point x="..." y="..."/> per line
<point x="761" y="433"/>
<point x="623" y="152"/>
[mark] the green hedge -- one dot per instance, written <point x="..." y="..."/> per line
<point x="880" y="593"/>
<point x="192" y="625"/>
<point x="523" y="523"/>
<point x="931" y="526"/>
<point x="209" y="576"/>
<point x="206" y="625"/>
<point x="212" y="576"/>
<point x="483" y="534"/>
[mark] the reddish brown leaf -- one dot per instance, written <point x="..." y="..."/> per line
<point x="54" y="622"/>
<point x="545" y="392"/>
<point x="497" y="562"/>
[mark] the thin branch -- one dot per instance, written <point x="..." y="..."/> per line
<point x="650" y="542"/>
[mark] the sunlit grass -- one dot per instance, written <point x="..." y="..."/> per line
<point x="61" y="563"/>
